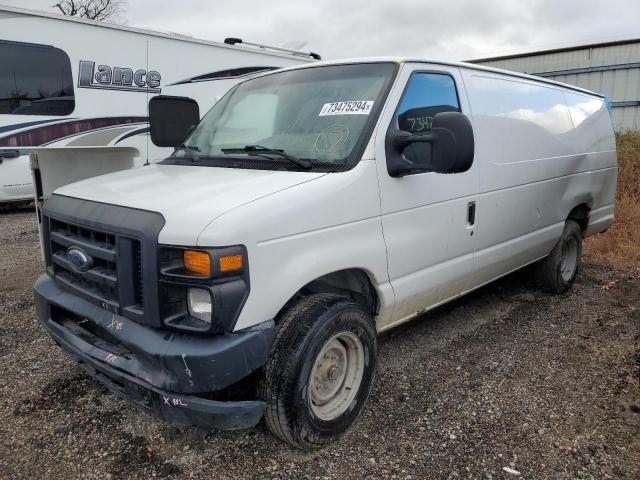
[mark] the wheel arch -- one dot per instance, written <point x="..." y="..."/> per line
<point x="580" y="215"/>
<point x="354" y="283"/>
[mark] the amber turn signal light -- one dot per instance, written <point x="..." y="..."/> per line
<point x="231" y="263"/>
<point x="197" y="262"/>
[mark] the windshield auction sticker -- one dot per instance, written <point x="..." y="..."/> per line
<point x="352" y="107"/>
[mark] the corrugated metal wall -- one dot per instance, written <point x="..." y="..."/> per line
<point x="610" y="69"/>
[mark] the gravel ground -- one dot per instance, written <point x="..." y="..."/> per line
<point x="505" y="377"/>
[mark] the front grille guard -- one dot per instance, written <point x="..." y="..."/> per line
<point x="122" y="277"/>
<point x="119" y="290"/>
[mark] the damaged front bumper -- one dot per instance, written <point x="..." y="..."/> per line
<point x="167" y="374"/>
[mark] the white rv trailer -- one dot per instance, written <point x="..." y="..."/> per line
<point x="66" y="82"/>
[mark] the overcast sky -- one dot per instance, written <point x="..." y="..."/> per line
<point x="447" y="29"/>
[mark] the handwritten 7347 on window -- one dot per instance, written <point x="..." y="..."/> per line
<point x="419" y="124"/>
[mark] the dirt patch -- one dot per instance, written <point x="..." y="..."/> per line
<point x="504" y="377"/>
<point x="619" y="245"/>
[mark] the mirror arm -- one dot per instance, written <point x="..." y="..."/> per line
<point x="403" y="141"/>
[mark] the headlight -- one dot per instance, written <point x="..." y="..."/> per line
<point x="202" y="289"/>
<point x="199" y="302"/>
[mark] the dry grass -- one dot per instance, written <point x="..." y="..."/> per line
<point x="620" y="245"/>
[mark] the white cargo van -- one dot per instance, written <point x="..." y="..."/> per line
<point x="248" y="274"/>
<point x="74" y="83"/>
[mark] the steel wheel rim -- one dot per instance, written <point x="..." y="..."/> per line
<point x="569" y="259"/>
<point x="336" y="376"/>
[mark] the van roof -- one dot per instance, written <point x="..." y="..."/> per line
<point x="469" y="66"/>
<point x="146" y="31"/>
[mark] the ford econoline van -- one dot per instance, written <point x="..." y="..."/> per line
<point x="247" y="275"/>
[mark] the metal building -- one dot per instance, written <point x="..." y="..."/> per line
<point x="611" y="68"/>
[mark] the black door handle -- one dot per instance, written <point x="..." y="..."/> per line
<point x="471" y="213"/>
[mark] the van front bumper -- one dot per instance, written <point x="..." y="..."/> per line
<point x="167" y="374"/>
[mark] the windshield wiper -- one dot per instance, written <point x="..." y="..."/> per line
<point x="260" y="150"/>
<point x="192" y="149"/>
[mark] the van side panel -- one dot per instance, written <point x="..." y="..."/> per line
<point x="542" y="150"/>
<point x="305" y="232"/>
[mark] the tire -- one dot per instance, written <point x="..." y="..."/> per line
<point x="557" y="272"/>
<point x="333" y="326"/>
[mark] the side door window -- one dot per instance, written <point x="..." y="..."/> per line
<point x="426" y="95"/>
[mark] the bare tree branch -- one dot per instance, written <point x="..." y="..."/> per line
<point x="101" y="10"/>
<point x="67" y="7"/>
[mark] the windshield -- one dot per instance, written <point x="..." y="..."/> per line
<point x="318" y="114"/>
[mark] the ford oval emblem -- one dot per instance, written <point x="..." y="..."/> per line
<point x="79" y="260"/>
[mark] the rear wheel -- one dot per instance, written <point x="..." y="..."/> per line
<point x="557" y="272"/>
<point x="320" y="371"/>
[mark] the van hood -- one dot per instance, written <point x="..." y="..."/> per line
<point x="188" y="197"/>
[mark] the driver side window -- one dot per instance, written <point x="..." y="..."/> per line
<point x="426" y="95"/>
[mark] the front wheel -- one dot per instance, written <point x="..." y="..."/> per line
<point x="320" y="371"/>
<point x="558" y="271"/>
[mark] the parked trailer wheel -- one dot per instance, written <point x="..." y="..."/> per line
<point x="320" y="372"/>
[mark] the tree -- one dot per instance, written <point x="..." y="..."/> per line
<point x="102" y="10"/>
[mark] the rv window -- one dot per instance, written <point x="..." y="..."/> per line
<point x="426" y="95"/>
<point x="35" y="80"/>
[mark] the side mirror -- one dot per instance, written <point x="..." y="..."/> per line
<point x="452" y="146"/>
<point x="171" y="119"/>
